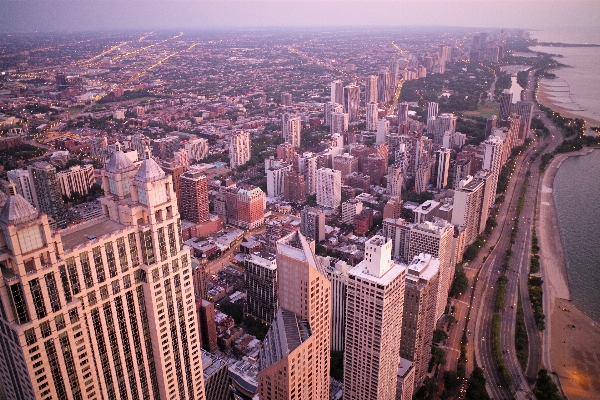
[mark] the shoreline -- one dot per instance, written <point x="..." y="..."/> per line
<point x="566" y="350"/>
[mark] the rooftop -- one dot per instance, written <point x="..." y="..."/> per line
<point x="286" y="333"/>
<point x="79" y="233"/>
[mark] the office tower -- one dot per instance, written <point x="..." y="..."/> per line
<point x="312" y="224"/>
<point x="461" y="169"/>
<point x="435" y="238"/>
<point x="371" y="89"/>
<point x="338" y="276"/>
<point x="383" y="129"/>
<point x="251" y="204"/>
<point x="47" y="189"/>
<point x="372" y="115"/>
<point x="24" y="184"/>
<point x="350" y="209"/>
<point x="290" y="129"/>
<point x="307" y="164"/>
<point x="294" y="187"/>
<point x="197" y="149"/>
<point x="491" y="123"/>
<point x="216" y="377"/>
<point x="294" y="359"/>
<point x="329" y="187"/>
<point x="139" y="142"/>
<point x="468" y="204"/>
<point x="432" y="111"/>
<point x="165" y="147"/>
<point x="205" y="311"/>
<point x="346" y="164"/>
<point x="352" y="101"/>
<point x="383" y="85"/>
<point x="406" y="380"/>
<point x="261" y="285"/>
<point x="337" y="92"/>
<point x="88" y="309"/>
<point x="276" y="178"/>
<point x="492" y="162"/>
<point x="524" y="109"/>
<point x="194" y="197"/>
<point x="402" y="112"/>
<point x="286" y="152"/>
<point x="339" y="122"/>
<point x="419" y="319"/>
<point x="505" y="104"/>
<point x="331" y="108"/>
<point x="239" y="149"/>
<point x="286" y="99"/>
<point x="443" y="167"/>
<point x="394" y="180"/>
<point x="374" y="307"/>
<point x="76" y="179"/>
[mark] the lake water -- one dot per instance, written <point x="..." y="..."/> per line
<point x="577" y="197"/>
<point x="576" y="87"/>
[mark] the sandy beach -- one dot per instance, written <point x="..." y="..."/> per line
<point x="543" y="98"/>
<point x="573" y="354"/>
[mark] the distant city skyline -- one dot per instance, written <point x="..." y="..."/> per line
<point x="67" y="15"/>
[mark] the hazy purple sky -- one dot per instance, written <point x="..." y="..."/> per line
<point x="77" y="15"/>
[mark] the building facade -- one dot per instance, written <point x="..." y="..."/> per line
<point x="193" y="196"/>
<point x="261" y="286"/>
<point x="239" y="149"/>
<point x="329" y="188"/>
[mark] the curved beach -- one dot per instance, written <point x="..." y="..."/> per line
<point x="570" y="341"/>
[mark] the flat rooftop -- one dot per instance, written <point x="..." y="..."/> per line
<point x="78" y="234"/>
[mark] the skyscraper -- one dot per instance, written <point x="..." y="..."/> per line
<point x="290" y="129"/>
<point x="338" y="276"/>
<point x="294" y="359"/>
<point x="239" y="149"/>
<point x="383" y="129"/>
<point x="443" y="167"/>
<point x="492" y="161"/>
<point x="44" y="178"/>
<point x="331" y="108"/>
<point x="525" y="110"/>
<point x="371" y="89"/>
<point x="505" y="104"/>
<point x="419" y="319"/>
<point x="261" y="285"/>
<point x="468" y="204"/>
<point x="352" y="101"/>
<point x="251" y="204"/>
<point x="337" y="93"/>
<point x="194" y="197"/>
<point x="374" y="307"/>
<point x="432" y="111"/>
<point x="88" y="310"/>
<point x="307" y="165"/>
<point x="329" y="187"/>
<point x="394" y="180"/>
<point x="312" y="223"/>
<point x="294" y="187"/>
<point x="286" y="99"/>
<point x="25" y="187"/>
<point x="383" y="85"/>
<point x="339" y="122"/>
<point x="372" y="115"/>
<point x="402" y="112"/>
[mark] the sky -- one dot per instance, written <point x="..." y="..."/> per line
<point x="95" y="15"/>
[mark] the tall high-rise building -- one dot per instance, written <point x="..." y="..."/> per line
<point x="294" y="359"/>
<point x="461" y="169"/>
<point x="339" y="122"/>
<point x="491" y="123"/>
<point x="290" y="129"/>
<point x="165" y="147"/>
<point x="525" y="110"/>
<point x="419" y="319"/>
<point x="345" y="163"/>
<point x="193" y="193"/>
<point x="197" y="149"/>
<point x="276" y="178"/>
<point x="350" y="209"/>
<point x="337" y="92"/>
<point x="505" y="104"/>
<point x="251" y="204"/>
<point x="352" y="101"/>
<point x="88" y="311"/>
<point x="294" y="187"/>
<point x="394" y="180"/>
<point x="76" y="179"/>
<point x="435" y="238"/>
<point x="239" y="149"/>
<point x="468" y="204"/>
<point x="398" y="231"/>
<point x="383" y="129"/>
<point x="261" y="285"/>
<point x="402" y="112"/>
<point x="492" y="161"/>
<point x="205" y="311"/>
<point x="286" y="99"/>
<point x="383" y="85"/>
<point x="175" y="170"/>
<point x="24" y="183"/>
<point x="286" y="152"/>
<point x="338" y="276"/>
<point x="331" y="108"/>
<point x="329" y="187"/>
<point x="307" y="165"/>
<point x="432" y="111"/>
<point x="139" y="142"/>
<point x="372" y="115"/>
<point x="371" y="89"/>
<point x="312" y="223"/>
<point x="443" y="167"/>
<point x="374" y="308"/>
<point x="45" y="180"/>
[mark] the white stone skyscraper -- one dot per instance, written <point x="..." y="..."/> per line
<point x="307" y="165"/>
<point x="443" y="167"/>
<point x="239" y="149"/>
<point x="432" y="111"/>
<point x="371" y="89"/>
<point x="352" y="101"/>
<point x="374" y="308"/>
<point x="394" y="180"/>
<point x="102" y="309"/>
<point x="383" y="85"/>
<point x="468" y="205"/>
<point x="372" y="115"/>
<point x="492" y="161"/>
<point x="337" y="92"/>
<point x="329" y="187"/>
<point x="383" y="129"/>
<point x="339" y="122"/>
<point x="290" y="129"/>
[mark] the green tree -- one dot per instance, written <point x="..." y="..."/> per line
<point x="545" y="388"/>
<point x="476" y="386"/>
